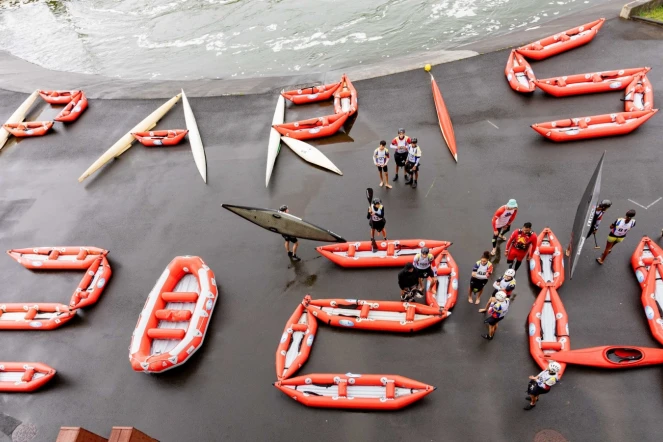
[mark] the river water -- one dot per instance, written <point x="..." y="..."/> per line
<point x="189" y="39"/>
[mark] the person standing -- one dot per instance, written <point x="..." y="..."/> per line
<point x="380" y="159"/>
<point x="618" y="231"/>
<point x="520" y="245"/>
<point x="541" y="383"/>
<point x="502" y="220"/>
<point x="377" y="221"/>
<point x="413" y="164"/>
<point x="496" y="312"/>
<point x="480" y="274"/>
<point x="401" y="143"/>
<point x="507" y="284"/>
<point x="598" y="216"/>
<point x="290" y="239"/>
<point x="423" y="263"/>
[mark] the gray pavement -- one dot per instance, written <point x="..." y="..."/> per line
<point x="151" y="205"/>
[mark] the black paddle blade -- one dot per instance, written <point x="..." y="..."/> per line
<point x="369" y="195"/>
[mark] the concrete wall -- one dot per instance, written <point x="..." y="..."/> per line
<point x="635" y="8"/>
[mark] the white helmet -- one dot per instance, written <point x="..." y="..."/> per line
<point x="554" y="367"/>
<point x="510" y="272"/>
<point x="500" y="296"/>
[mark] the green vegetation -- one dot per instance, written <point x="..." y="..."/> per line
<point x="656" y="13"/>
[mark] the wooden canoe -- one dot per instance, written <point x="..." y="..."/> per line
<point x="194" y="138"/>
<point x="274" y="144"/>
<point x="310" y="154"/>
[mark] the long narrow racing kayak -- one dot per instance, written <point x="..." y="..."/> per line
<point x="610" y="356"/>
<point x="443" y="117"/>
<point x="194" y="138"/>
<point x="127" y="140"/>
<point x="283" y="223"/>
<point x="17" y="117"/>
<point x="310" y="154"/>
<point x="274" y="145"/>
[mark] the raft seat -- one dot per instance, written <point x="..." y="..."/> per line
<point x="391" y="389"/>
<point x="173" y="315"/>
<point x="28" y="375"/>
<point x="166" y="333"/>
<point x="179" y="296"/>
<point x="54" y="254"/>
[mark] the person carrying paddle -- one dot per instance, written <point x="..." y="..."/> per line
<point x="507" y="284"/>
<point x="541" y="383"/>
<point x="380" y="159"/>
<point x="423" y="262"/>
<point x="520" y="245"/>
<point x="401" y="143"/>
<point x="377" y="221"/>
<point x="290" y="239"/>
<point x="502" y="220"/>
<point x="618" y="231"/>
<point x="496" y="311"/>
<point x="480" y="275"/>
<point x="412" y="164"/>
<point x="596" y="219"/>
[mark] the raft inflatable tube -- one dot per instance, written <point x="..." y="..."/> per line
<point x="354" y="391"/>
<point x="34" y="316"/>
<point x="389" y="254"/>
<point x="311" y="94"/>
<point x="61" y="258"/>
<point x="548" y="328"/>
<point x="174" y="320"/>
<point x="546" y="268"/>
<point x="445" y="294"/>
<point x="24" y="377"/>
<point x="647" y="263"/>
<point x="29" y="129"/>
<point x="643" y="256"/>
<point x="313" y="128"/>
<point x="160" y="137"/>
<point x="92" y="285"/>
<point x="387" y="316"/>
<point x="562" y="42"/>
<point x="296" y="342"/>
<point x="639" y="95"/>
<point x="58" y="97"/>
<point x="589" y="83"/>
<point x="610" y="356"/>
<point x="345" y="97"/>
<point x="519" y="73"/>
<point x="73" y="110"/>
<point x="596" y="126"/>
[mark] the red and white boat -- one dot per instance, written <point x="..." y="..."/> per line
<point x="58" y="97"/>
<point x="296" y="342"/>
<point x="313" y="128"/>
<point x="445" y="293"/>
<point x="92" y="285"/>
<point x="548" y="328"/>
<point x="443" y="118"/>
<point x="62" y="258"/>
<point x="639" y="95"/>
<point x="610" y="356"/>
<point x="73" y="109"/>
<point x="519" y="73"/>
<point x="389" y="254"/>
<point x="562" y="42"/>
<point x="311" y="94"/>
<point x="34" y="316"/>
<point x="22" y="377"/>
<point x="160" y="137"/>
<point x="345" y="97"/>
<point x="589" y="83"/>
<point x="647" y="263"/>
<point x="643" y="257"/>
<point x="354" y="391"/>
<point x="28" y="129"/>
<point x="174" y="320"/>
<point x="546" y="268"/>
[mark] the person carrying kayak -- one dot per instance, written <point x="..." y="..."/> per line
<point x="618" y="231"/>
<point x="598" y="216"/>
<point x="401" y="143"/>
<point x="380" y="159"/>
<point x="496" y="311"/>
<point x="377" y="221"/>
<point x="408" y="280"/>
<point x="541" y="383"/>
<point x="502" y="220"/>
<point x="506" y="284"/>
<point x="520" y="245"/>
<point x="290" y="239"/>
<point x="480" y="274"/>
<point x="423" y="262"/>
<point x="412" y="164"/>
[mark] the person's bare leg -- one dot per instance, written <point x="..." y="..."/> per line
<point x="478" y="296"/>
<point x="386" y="180"/>
<point x="469" y="296"/>
<point x="606" y="252"/>
<point x="491" y="330"/>
<point x="381" y="180"/>
<point x="287" y="246"/>
<point x="294" y="248"/>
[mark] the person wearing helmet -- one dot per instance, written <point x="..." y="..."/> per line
<point x="290" y="239"/>
<point x="507" y="284"/>
<point x="423" y="262"/>
<point x="520" y="245"/>
<point x="380" y="159"/>
<point x="598" y="216"/>
<point x="496" y="312"/>
<point x="502" y="219"/>
<point x="541" y="383"/>
<point x="401" y="143"/>
<point x="618" y="231"/>
<point x="408" y="280"/>
<point x="377" y="221"/>
<point x="480" y="275"/>
<point x="412" y="164"/>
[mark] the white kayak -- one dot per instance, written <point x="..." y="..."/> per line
<point x="274" y="144"/>
<point x="127" y="140"/>
<point x="18" y="116"/>
<point x="310" y="154"/>
<point x="194" y="138"/>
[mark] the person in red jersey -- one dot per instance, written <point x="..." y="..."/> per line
<point x="401" y="144"/>
<point x="502" y="220"/>
<point x="520" y="244"/>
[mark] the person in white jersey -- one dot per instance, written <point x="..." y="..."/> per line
<point x="380" y="159"/>
<point x="506" y="284"/>
<point x="480" y="275"/>
<point x="423" y="262"/>
<point x="413" y="164"/>
<point x="401" y="144"/>
<point x="541" y="383"/>
<point x="618" y="231"/>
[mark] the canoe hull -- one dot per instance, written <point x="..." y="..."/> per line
<point x="18" y="116"/>
<point x="310" y="154"/>
<point x="444" y="120"/>
<point x="196" y="142"/>
<point x="610" y="356"/>
<point x="274" y="144"/>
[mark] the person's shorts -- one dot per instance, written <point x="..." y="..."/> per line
<point x="615" y="238"/>
<point x="400" y="159"/>
<point x="425" y="273"/>
<point x="409" y="166"/>
<point x="534" y="389"/>
<point x="383" y="168"/>
<point x="516" y="254"/>
<point x="291" y="239"/>
<point x="503" y="229"/>
<point x="377" y="225"/>
<point x="477" y="284"/>
<point x="492" y="321"/>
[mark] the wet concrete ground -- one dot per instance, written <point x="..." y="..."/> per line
<point x="151" y="205"/>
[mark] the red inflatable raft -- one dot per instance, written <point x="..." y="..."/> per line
<point x="58" y="97"/>
<point x="34" y="316"/>
<point x="646" y="251"/>
<point x="174" y="320"/>
<point x="519" y="73"/>
<point x="444" y="119"/>
<point x="564" y="41"/>
<point x="296" y="341"/>
<point x="29" y="129"/>
<point x="593" y="127"/>
<point x="548" y="328"/>
<point x="389" y="316"/>
<point x="92" y="285"/>
<point x="21" y="377"/>
<point x="313" y="128"/>
<point x="354" y="391"/>
<point x="73" y="110"/>
<point x="345" y="97"/>
<point x="647" y="263"/>
<point x="390" y="253"/>
<point x="610" y="356"/>
<point x="590" y="83"/>
<point x="547" y="264"/>
<point x="311" y="94"/>
<point x="62" y="258"/>
<point x="160" y="137"/>
<point x="444" y="293"/>
<point x="639" y="95"/>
